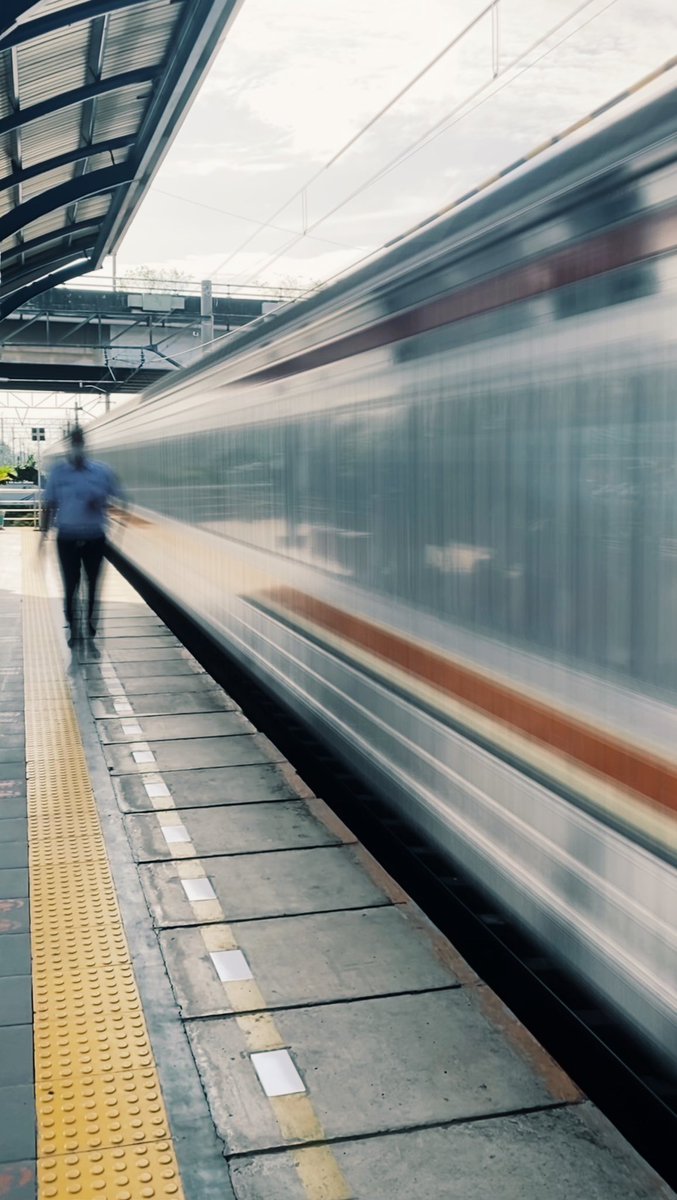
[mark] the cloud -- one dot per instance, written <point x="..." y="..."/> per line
<point x="295" y="80"/>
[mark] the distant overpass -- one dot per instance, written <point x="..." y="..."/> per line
<point x="120" y="336"/>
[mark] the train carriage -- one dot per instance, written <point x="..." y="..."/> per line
<point x="433" y="507"/>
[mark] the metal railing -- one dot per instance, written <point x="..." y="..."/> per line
<point x="181" y="287"/>
<point x="26" y="516"/>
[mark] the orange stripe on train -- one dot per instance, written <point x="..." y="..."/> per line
<point x="631" y="767"/>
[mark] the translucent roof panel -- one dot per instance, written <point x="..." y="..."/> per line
<point x="91" y="95"/>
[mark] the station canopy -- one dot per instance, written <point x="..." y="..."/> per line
<point x="91" y="95"/>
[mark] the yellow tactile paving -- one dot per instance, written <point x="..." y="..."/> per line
<point x="95" y="989"/>
<point x="102" y="1125"/>
<point x="107" y="1110"/>
<point x="90" y="1044"/>
<point x="145" y="1172"/>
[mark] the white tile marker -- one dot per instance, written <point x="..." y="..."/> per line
<point x="155" y="789"/>
<point x="277" y="1073"/>
<point x="231" y="966"/>
<point x="175" y="833"/>
<point x="198" y="889"/>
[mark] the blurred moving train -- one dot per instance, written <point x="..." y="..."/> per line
<point x="434" y="508"/>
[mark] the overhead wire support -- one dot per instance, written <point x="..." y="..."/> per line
<point x="457" y="114"/>
<point x="495" y="40"/>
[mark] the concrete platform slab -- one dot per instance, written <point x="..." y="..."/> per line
<point x="13" y="829"/>
<point x="235" y="750"/>
<point x="151" y="685"/>
<point x="14" y="915"/>
<point x="13" y="753"/>
<point x="234" y="829"/>
<point x="111" y="630"/>
<point x="17" y="1125"/>
<point x="212" y="699"/>
<point x="171" y="652"/>
<point x="16" y="1055"/>
<point x="170" y="727"/>
<point x="18" y="1181"/>
<point x="558" y="1153"/>
<point x="371" y="1066"/>
<point x="16" y="1001"/>
<point x="142" y="668"/>
<point x="15" y="787"/>
<point x="143" y="619"/>
<point x="13" y="772"/>
<point x="310" y="960"/>
<point x="13" y="854"/>
<point x="210" y="787"/>
<point x="265" y="885"/>
<point x="13" y="882"/>
<point x="15" y="952"/>
<point x="142" y="642"/>
<point x="125" y="608"/>
<point x="12" y="806"/>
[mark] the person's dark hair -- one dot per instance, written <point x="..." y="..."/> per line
<point x="76" y="436"/>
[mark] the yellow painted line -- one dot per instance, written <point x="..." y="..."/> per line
<point x="317" y="1168"/>
<point x="102" y="1124"/>
<point x="320" y="1173"/>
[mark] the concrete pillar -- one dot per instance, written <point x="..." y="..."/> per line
<point x="206" y="313"/>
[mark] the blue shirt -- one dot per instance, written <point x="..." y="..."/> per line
<point x="80" y="497"/>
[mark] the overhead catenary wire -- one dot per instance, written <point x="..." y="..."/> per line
<point x="669" y="65"/>
<point x="225" y="212"/>
<point x="459" y="112"/>
<point x="354" y="138"/>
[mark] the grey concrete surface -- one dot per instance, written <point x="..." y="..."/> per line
<point x="172" y="652"/>
<point x="13" y="854"/>
<point x="234" y="829"/>
<point x="15" y="951"/>
<point x="310" y="960"/>
<point x="236" y="750"/>
<point x="173" y="727"/>
<point x="110" y="631"/>
<point x="208" y="787"/>
<point x="150" y="640"/>
<point x="12" y="829"/>
<point x="369" y="1067"/>
<point x="14" y="914"/>
<point x="17" y="1124"/>
<point x="208" y="699"/>
<point x="560" y="1154"/>
<point x="266" y="885"/>
<point x="16" y="1000"/>
<point x="13" y="882"/>
<point x="158" y="684"/>
<point x="16" y="1055"/>
<point x="139" y="668"/>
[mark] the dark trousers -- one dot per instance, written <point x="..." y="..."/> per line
<point x="74" y="553"/>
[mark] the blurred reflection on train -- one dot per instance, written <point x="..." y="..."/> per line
<point x="434" y="508"/>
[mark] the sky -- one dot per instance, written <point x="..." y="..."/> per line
<point x="294" y="81"/>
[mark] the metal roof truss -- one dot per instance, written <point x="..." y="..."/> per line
<point x="60" y="64"/>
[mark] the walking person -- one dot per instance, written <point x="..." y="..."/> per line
<point x="76" y="499"/>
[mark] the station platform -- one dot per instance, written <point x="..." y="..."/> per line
<point x="208" y="988"/>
